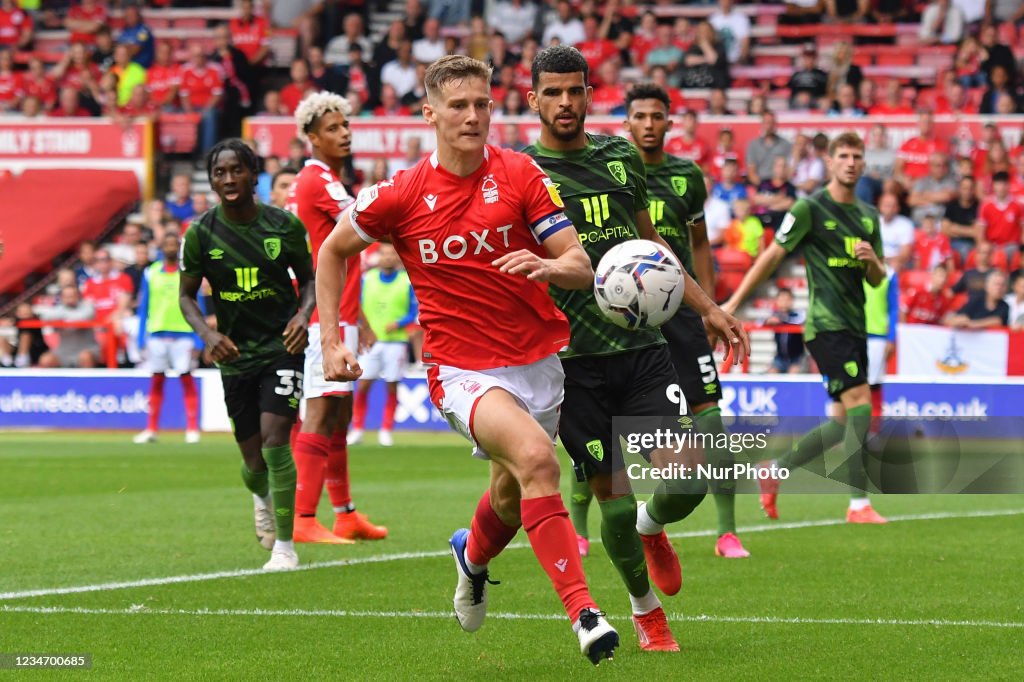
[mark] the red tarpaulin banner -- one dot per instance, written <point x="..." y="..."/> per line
<point x="373" y="137"/>
<point x="87" y="143"/>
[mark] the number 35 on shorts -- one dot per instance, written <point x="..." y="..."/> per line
<point x="289" y="384"/>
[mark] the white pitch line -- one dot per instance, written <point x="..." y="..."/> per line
<point x="401" y="556"/>
<point x="141" y="610"/>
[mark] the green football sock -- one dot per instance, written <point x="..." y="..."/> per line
<point x="255" y="481"/>
<point x="858" y="421"/>
<point x="621" y="541"/>
<point x="675" y="499"/>
<point x="579" y="506"/>
<point x="282" y="487"/>
<point x="724" y="492"/>
<point x="814" y="444"/>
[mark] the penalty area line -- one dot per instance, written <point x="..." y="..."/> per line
<point x="141" y="610"/>
<point x="404" y="556"/>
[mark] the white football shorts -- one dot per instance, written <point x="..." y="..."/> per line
<point x="538" y="387"/>
<point x="386" y="360"/>
<point x="170" y="354"/>
<point x="313" y="383"/>
<point x="876" y="360"/>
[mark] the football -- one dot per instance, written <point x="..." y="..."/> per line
<point x="638" y="284"/>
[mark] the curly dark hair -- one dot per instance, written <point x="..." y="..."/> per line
<point x="648" y="90"/>
<point x="242" y="150"/>
<point x="559" y="59"/>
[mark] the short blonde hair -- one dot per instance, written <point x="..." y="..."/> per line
<point x="454" y="67"/>
<point x="314" y="106"/>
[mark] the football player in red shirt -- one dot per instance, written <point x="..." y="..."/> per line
<point x="318" y="198"/>
<point x="482" y="231"/>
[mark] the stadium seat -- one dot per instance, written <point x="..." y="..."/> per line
<point x="998" y="260"/>
<point x="915" y="280"/>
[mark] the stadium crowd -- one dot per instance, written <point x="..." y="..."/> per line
<point x="952" y="209"/>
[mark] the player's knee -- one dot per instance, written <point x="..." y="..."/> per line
<point x="537" y="465"/>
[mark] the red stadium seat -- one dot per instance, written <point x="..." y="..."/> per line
<point x="998" y="259"/>
<point x="915" y="280"/>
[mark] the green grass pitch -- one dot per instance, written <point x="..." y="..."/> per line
<point x="89" y="518"/>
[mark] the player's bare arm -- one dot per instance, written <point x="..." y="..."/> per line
<point x="703" y="262"/>
<point x="875" y="271"/>
<point x="220" y="347"/>
<point x="296" y="333"/>
<point x="762" y="268"/>
<point x="343" y="242"/>
<point x="569" y="266"/>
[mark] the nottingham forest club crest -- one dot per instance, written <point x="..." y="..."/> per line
<point x="272" y="245"/>
<point x="618" y="171"/>
<point x="679" y="185"/>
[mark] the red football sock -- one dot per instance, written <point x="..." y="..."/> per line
<point x="188" y="387"/>
<point x="310" y="463"/>
<point x="876" y="409"/>
<point x="388" y="422"/>
<point x="554" y="543"/>
<point x="156" y="400"/>
<point x="488" y="534"/>
<point x="359" y="407"/>
<point x="337" y="469"/>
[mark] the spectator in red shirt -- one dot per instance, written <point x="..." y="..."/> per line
<point x="299" y="87"/>
<point x="929" y="306"/>
<point x="37" y="83"/>
<point x="202" y="87"/>
<point x="15" y="26"/>
<point x="84" y="20"/>
<point x="140" y="105"/>
<point x="914" y="154"/>
<point x="1001" y="216"/>
<point x="609" y="97"/>
<point x="892" y="103"/>
<point x="725" y="151"/>
<point x="251" y="34"/>
<point x="390" y="105"/>
<point x="69" y="104"/>
<point x="76" y="70"/>
<point x="687" y="145"/>
<point x="931" y="248"/>
<point x="1017" y="179"/>
<point x="954" y="98"/>
<point x="11" y="90"/>
<point x="164" y="78"/>
<point x="596" y="48"/>
<point x="110" y="292"/>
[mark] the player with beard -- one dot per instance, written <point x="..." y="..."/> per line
<point x="245" y="250"/>
<point x="318" y="198"/>
<point x="841" y="242"/>
<point x="677" y="191"/>
<point x="610" y="371"/>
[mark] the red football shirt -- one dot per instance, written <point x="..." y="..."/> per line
<point x="201" y="85"/>
<point x="11" y="89"/>
<point x="596" y="52"/>
<point x="1002" y="222"/>
<point x="42" y="88"/>
<point x="104" y="292"/>
<point x="96" y="13"/>
<point x="161" y="80"/>
<point x="931" y="250"/>
<point x="12" y="23"/>
<point x="915" y="153"/>
<point x="926" y="307"/>
<point x="292" y="94"/>
<point x="318" y="198"/>
<point x="695" y="150"/>
<point x="447" y="231"/>
<point x="250" y="36"/>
